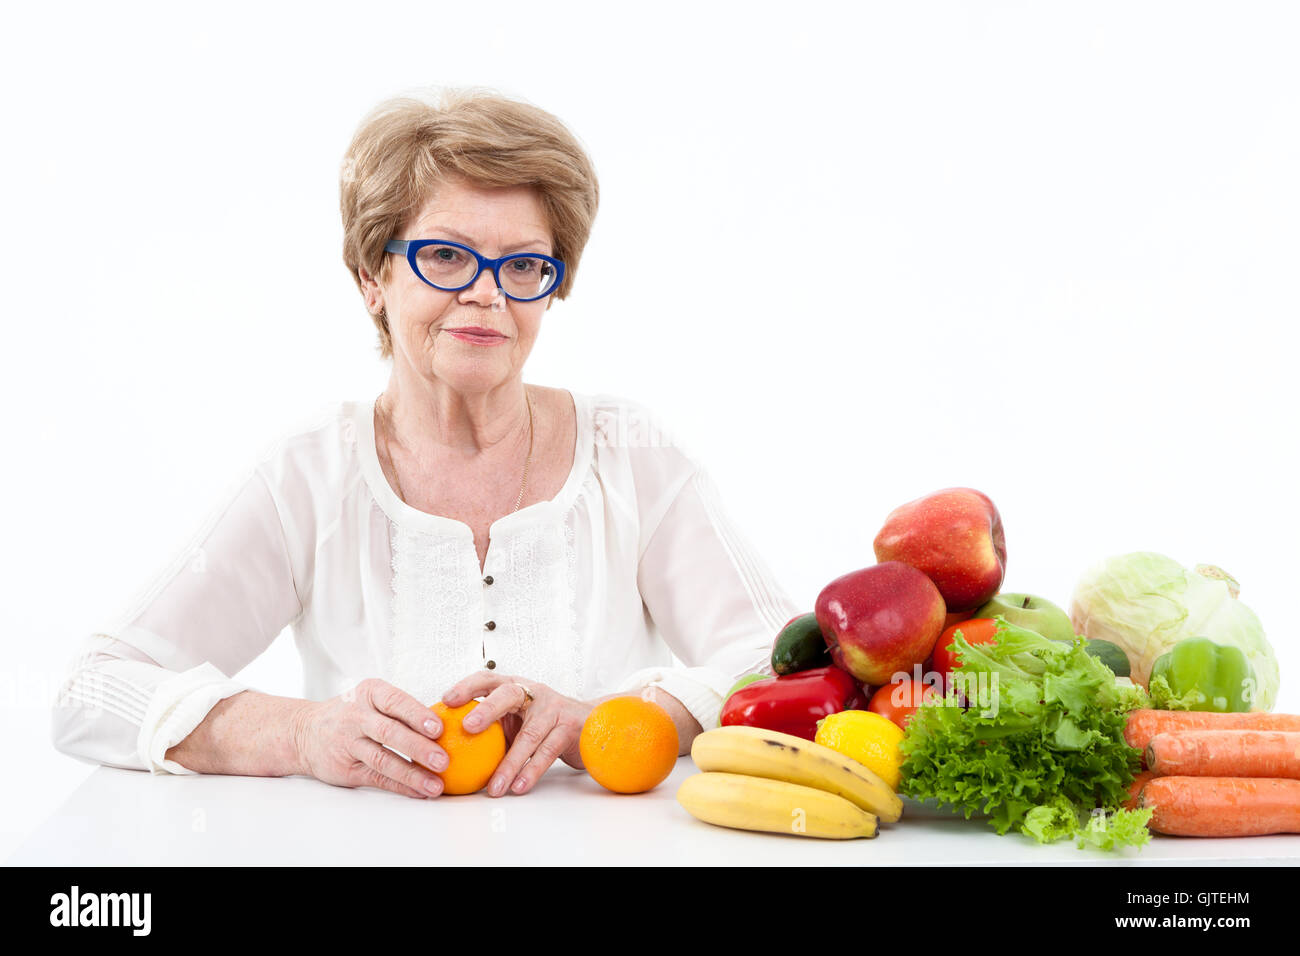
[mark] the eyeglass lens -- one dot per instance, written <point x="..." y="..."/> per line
<point x="523" y="277"/>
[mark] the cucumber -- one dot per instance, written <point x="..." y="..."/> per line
<point x="800" y="646"/>
<point x="1110" y="655"/>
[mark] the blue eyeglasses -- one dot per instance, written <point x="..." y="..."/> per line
<point x="450" y="266"/>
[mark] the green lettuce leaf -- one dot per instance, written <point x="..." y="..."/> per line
<point x="1039" y="749"/>
<point x="1164" y="698"/>
<point x="1109" y="831"/>
<point x="1051" y="821"/>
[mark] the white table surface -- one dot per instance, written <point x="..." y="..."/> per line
<point x="128" y="818"/>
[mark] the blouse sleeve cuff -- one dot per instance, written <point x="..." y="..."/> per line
<point x="700" y="689"/>
<point x="178" y="706"/>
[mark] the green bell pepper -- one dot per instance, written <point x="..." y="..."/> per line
<point x="1198" y="674"/>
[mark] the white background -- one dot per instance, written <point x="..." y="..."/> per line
<point x="852" y="254"/>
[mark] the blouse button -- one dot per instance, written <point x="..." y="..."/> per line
<point x="491" y="625"/>
<point x="491" y="665"/>
<point x="488" y="579"/>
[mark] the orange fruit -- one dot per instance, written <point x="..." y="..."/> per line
<point x="628" y="744"/>
<point x="471" y="758"/>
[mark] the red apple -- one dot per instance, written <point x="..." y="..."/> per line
<point x="880" y="621"/>
<point x="955" y="537"/>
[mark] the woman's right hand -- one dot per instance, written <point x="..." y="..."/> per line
<point x="344" y="741"/>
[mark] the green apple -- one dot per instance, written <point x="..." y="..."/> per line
<point x="1032" y="613"/>
<point x="745" y="682"/>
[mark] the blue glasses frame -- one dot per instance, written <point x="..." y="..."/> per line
<point x="410" y="247"/>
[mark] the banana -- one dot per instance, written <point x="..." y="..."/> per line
<point x="769" y="753"/>
<point x="774" y="806"/>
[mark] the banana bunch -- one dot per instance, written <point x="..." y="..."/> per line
<point x="755" y="779"/>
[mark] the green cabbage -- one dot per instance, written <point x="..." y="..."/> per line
<point x="1146" y="603"/>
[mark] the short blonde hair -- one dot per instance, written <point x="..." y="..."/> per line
<point x="406" y="146"/>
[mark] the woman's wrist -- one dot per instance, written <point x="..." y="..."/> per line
<point x="298" y="738"/>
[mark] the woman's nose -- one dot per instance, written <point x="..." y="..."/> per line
<point x="484" y="291"/>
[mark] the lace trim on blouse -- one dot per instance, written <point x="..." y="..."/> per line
<point x="436" y="627"/>
<point x="440" y="606"/>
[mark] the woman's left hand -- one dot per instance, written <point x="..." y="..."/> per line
<point x="541" y="725"/>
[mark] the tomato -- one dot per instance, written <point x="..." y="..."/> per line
<point x="950" y="619"/>
<point x="898" y="700"/>
<point x="977" y="630"/>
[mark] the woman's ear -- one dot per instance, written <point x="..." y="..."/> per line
<point x="371" y="291"/>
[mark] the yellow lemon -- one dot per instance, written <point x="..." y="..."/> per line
<point x="868" y="738"/>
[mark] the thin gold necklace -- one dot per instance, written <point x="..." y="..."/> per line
<point x="388" y="450"/>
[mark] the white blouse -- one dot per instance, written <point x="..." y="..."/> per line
<point x="631" y="576"/>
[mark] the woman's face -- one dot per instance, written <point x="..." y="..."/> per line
<point x="424" y="321"/>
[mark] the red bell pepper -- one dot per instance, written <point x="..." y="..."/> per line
<point x="793" y="703"/>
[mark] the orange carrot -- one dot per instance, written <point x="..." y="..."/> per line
<point x="1225" y="753"/>
<point x="1135" y="789"/>
<point x="1145" y="724"/>
<point x="1222" y="806"/>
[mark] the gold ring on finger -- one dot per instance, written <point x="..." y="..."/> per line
<point x="528" y="697"/>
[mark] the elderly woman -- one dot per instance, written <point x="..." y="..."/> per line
<point x="464" y="535"/>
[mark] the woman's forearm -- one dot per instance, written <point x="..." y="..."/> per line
<point x="250" y="734"/>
